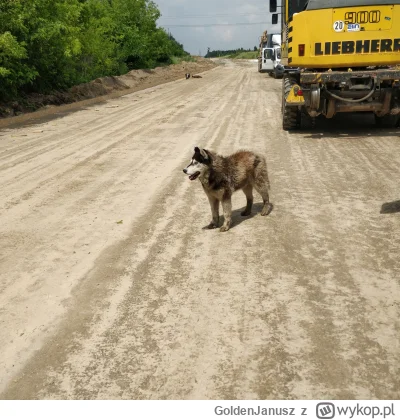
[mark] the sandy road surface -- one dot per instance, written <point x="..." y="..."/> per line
<point x="304" y="303"/>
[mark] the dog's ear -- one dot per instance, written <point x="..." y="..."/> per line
<point x="204" y="153"/>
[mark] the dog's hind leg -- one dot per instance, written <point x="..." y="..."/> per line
<point x="248" y="191"/>
<point x="262" y="188"/>
<point x="227" y="208"/>
<point x="214" y="204"/>
<point x="261" y="184"/>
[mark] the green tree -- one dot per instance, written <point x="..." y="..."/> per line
<point x="53" y="44"/>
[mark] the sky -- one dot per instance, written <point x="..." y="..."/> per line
<point x="196" y="40"/>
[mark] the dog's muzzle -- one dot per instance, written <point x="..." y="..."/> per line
<point x="194" y="176"/>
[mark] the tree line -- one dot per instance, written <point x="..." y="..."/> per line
<point x="222" y="53"/>
<point x="55" y="44"/>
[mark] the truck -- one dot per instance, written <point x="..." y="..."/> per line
<point x="269" y="58"/>
<point x="339" y="56"/>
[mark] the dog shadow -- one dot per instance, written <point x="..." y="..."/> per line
<point x="389" y="208"/>
<point x="237" y="218"/>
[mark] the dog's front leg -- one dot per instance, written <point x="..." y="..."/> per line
<point x="227" y="208"/>
<point x="214" y="204"/>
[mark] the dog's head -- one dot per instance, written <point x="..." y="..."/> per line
<point x="199" y="164"/>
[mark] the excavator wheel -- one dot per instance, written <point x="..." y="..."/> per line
<point x="306" y="121"/>
<point x="291" y="116"/>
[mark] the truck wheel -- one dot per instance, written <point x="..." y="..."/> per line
<point x="307" y="122"/>
<point x="290" y="114"/>
<point x="387" y="121"/>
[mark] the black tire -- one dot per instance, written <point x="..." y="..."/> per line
<point x="306" y="121"/>
<point x="387" y="121"/>
<point x="291" y="117"/>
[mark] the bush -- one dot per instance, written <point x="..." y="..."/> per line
<point x="13" y="72"/>
<point x="54" y="44"/>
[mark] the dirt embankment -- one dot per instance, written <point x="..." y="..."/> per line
<point x="112" y="85"/>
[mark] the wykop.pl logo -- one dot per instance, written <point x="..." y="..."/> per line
<point x="325" y="411"/>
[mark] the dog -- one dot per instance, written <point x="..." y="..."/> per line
<point x="222" y="176"/>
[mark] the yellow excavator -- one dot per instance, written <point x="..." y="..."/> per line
<point x="341" y="56"/>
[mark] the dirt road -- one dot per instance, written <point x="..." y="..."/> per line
<point x="111" y="289"/>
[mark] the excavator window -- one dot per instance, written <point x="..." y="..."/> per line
<point x="295" y="6"/>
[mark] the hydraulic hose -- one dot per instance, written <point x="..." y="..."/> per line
<point x="352" y="100"/>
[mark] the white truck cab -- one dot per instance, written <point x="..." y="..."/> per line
<point x="270" y="62"/>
